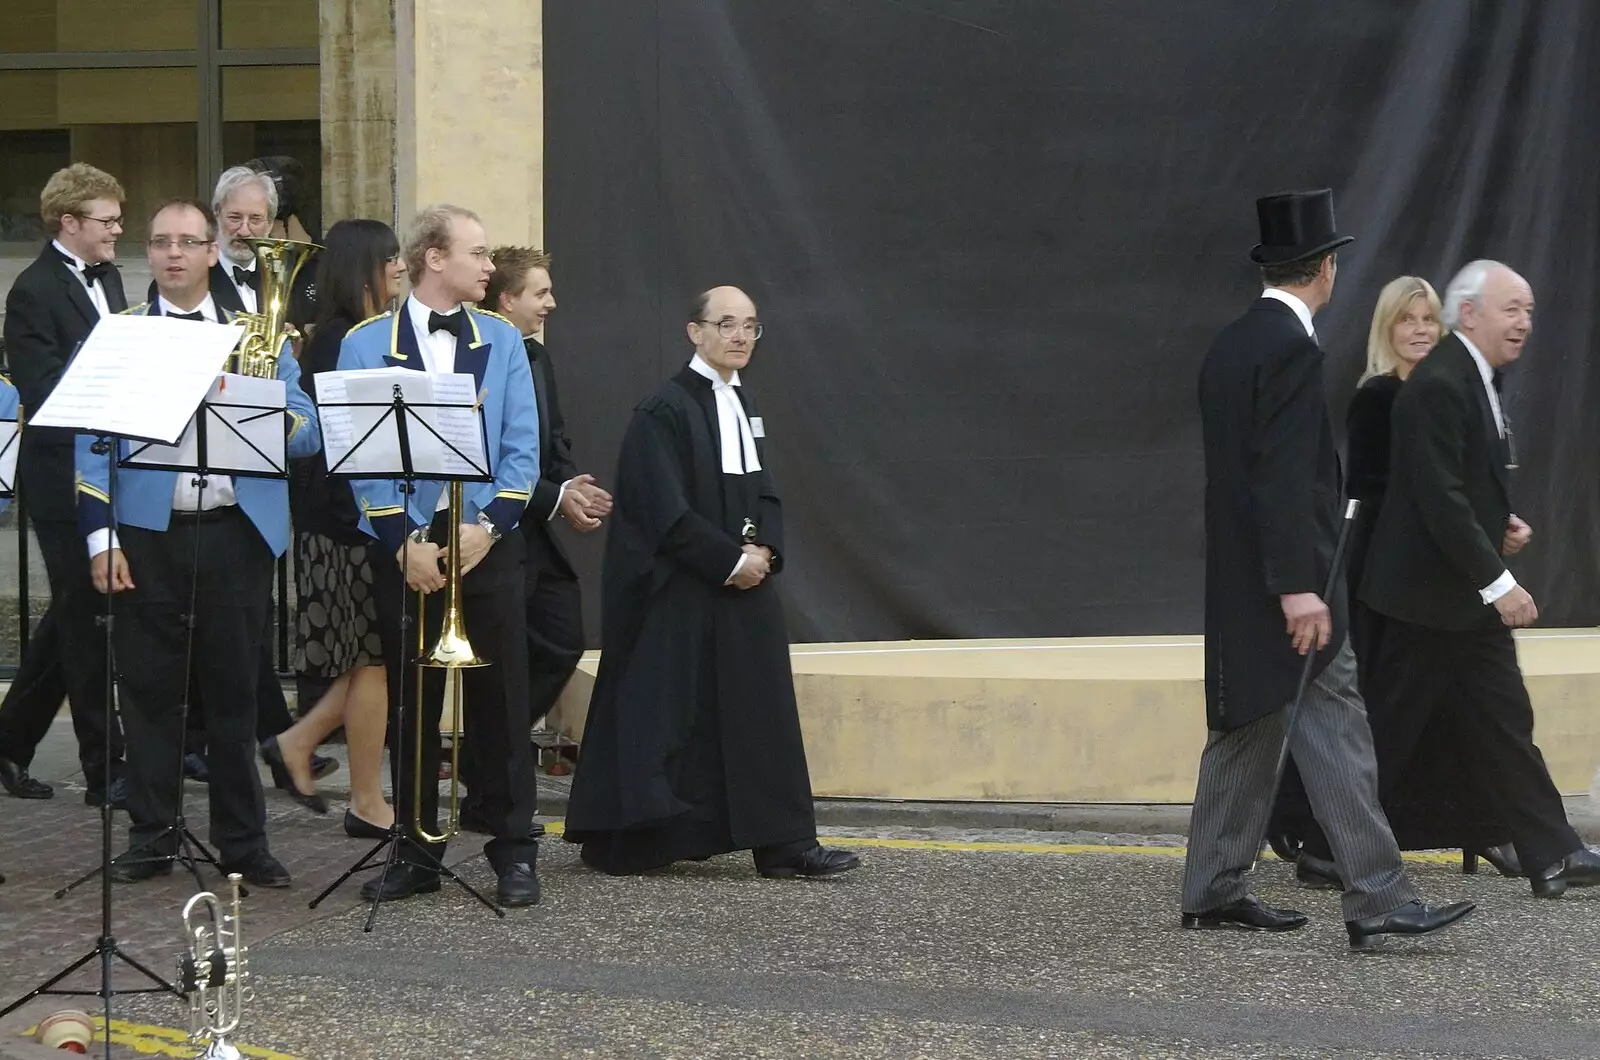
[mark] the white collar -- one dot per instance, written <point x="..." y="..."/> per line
<point x="1301" y="310"/>
<point x="77" y="262"/>
<point x="207" y="308"/>
<point x="1477" y="356"/>
<point x="419" y="313"/>
<point x="247" y="266"/>
<point x="699" y="367"/>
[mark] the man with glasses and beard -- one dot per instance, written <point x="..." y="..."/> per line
<point x="692" y="746"/>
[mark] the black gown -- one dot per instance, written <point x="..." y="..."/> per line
<point x="692" y="746"/>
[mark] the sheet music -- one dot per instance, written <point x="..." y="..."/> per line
<point x="244" y="430"/>
<point x="351" y="404"/>
<point x="139" y="377"/>
<point x="10" y="446"/>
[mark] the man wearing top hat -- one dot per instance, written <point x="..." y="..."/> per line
<point x="1272" y="522"/>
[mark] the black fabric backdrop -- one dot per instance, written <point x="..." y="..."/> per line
<point x="991" y="240"/>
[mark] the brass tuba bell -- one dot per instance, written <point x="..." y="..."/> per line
<point x="278" y="262"/>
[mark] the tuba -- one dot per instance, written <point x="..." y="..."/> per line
<point x="278" y="262"/>
<point x="213" y="973"/>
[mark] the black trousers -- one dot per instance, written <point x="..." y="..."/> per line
<point x="1471" y="682"/>
<point x="495" y="699"/>
<point x="65" y="659"/>
<point x="232" y="584"/>
<point x="554" y="605"/>
<point x="272" y="709"/>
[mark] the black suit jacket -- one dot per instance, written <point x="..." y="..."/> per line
<point x="555" y="463"/>
<point x="48" y="315"/>
<point x="1272" y="508"/>
<point x="1444" y="516"/>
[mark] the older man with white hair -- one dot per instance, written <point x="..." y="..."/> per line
<point x="1437" y="569"/>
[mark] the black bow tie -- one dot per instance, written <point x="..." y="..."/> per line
<point x="196" y="315"/>
<point x="244" y="277"/>
<point x="98" y="271"/>
<point x="443" y="322"/>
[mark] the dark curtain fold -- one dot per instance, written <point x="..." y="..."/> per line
<point x="991" y="240"/>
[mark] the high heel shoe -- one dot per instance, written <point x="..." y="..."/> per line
<point x="274" y="758"/>
<point x="1503" y="858"/>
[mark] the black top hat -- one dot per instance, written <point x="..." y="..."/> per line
<point x="1296" y="225"/>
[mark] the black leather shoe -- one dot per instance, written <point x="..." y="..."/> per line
<point x="19" y="784"/>
<point x="1413" y="918"/>
<point x="1287" y="847"/>
<point x="816" y="863"/>
<point x="118" y="797"/>
<point x="361" y="828"/>
<point x="1247" y="914"/>
<point x="1317" y="874"/>
<point x="403" y="881"/>
<point x="1503" y="858"/>
<point x="272" y="754"/>
<point x="1581" y="868"/>
<point x="196" y="768"/>
<point x="322" y="765"/>
<point x="136" y="865"/>
<point x="471" y="819"/>
<point x="261" y="869"/>
<point x="519" y="885"/>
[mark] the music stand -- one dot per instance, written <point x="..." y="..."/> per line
<point x="443" y="460"/>
<point x="10" y="434"/>
<point x="108" y="391"/>
<point x="249" y="444"/>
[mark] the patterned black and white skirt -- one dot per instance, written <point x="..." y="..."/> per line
<point x="338" y="617"/>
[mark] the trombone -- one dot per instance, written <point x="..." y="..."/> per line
<point x="451" y="651"/>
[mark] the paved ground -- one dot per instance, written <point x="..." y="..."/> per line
<point x="950" y="943"/>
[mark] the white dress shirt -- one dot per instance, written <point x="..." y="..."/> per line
<point x="187" y="496"/>
<point x="97" y="293"/>
<point x="247" y="292"/>
<point x="1505" y="583"/>
<point x="737" y="440"/>
<point x="438" y="353"/>
<point x="1301" y="310"/>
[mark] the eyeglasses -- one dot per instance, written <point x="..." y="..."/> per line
<point x="254" y="220"/>
<point x="109" y="222"/>
<point x="727" y="327"/>
<point x="186" y="243"/>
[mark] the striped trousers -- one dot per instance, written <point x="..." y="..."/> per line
<point x="1332" y="746"/>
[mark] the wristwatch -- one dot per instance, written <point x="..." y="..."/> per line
<point x="488" y="528"/>
<point x="419" y="536"/>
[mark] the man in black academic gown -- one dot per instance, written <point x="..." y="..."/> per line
<point x="692" y="746"/>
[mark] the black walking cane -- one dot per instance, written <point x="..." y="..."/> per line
<point x="1351" y="507"/>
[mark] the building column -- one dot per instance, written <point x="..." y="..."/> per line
<point x="427" y="101"/>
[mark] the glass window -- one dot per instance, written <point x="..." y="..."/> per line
<point x="269" y="23"/>
<point x="270" y="112"/>
<point x="97" y="26"/>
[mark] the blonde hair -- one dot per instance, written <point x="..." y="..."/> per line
<point x="1393" y="301"/>
<point x="431" y="231"/>
<point x="68" y="189"/>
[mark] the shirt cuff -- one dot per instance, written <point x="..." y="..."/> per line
<point x="102" y="540"/>
<point x="560" y="496"/>
<point x="737" y="567"/>
<point x="1498" y="588"/>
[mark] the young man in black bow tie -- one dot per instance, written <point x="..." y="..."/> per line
<point x="1272" y="519"/>
<point x="50" y="310"/>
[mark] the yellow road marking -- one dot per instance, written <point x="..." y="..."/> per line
<point x="151" y="1040"/>
<point x="1427" y="857"/>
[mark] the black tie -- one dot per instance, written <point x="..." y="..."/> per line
<point x="1499" y="380"/>
<point x="244" y="277"/>
<point x="93" y="274"/>
<point x="196" y="315"/>
<point x="443" y="322"/>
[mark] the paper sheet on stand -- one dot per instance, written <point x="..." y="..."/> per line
<point x="244" y="431"/>
<point x="139" y="377"/>
<point x="351" y="404"/>
<point x="10" y="446"/>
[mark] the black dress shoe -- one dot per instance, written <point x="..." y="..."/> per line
<point x="136" y="865"/>
<point x="118" y="795"/>
<point x="519" y="885"/>
<point x="1413" y="918"/>
<point x="1287" y="847"/>
<point x="260" y="868"/>
<point x="361" y="828"/>
<point x="816" y="863"/>
<point x="196" y="768"/>
<point x="471" y="819"/>
<point x="322" y="765"/>
<point x="1317" y="874"/>
<point x="1581" y="868"/>
<point x="1503" y="857"/>
<point x="19" y="784"/>
<point x="403" y="881"/>
<point x="1247" y="914"/>
<point x="272" y="754"/>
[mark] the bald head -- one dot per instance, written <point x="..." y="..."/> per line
<point x="1492" y="306"/>
<point x="724" y="328"/>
